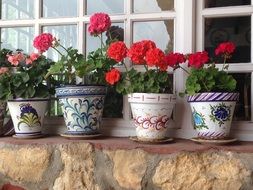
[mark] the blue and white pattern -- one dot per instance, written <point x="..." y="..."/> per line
<point x="213" y="113"/>
<point x="82" y="108"/>
<point x="213" y="97"/>
<point x="80" y="90"/>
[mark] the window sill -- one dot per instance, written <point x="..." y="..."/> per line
<point x="123" y="143"/>
<point x="119" y="163"/>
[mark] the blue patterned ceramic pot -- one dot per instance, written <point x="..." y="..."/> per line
<point x="28" y="115"/>
<point x="212" y="113"/>
<point x="82" y="108"/>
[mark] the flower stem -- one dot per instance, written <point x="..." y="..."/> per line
<point x="57" y="51"/>
<point x="184" y="69"/>
<point x="145" y="66"/>
<point x="224" y="62"/>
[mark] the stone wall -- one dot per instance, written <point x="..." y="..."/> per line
<point x="83" y="165"/>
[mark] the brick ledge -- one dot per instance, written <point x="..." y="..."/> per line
<point x="113" y="143"/>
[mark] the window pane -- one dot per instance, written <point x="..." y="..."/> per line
<point x="17" y="38"/>
<point x="67" y="35"/>
<point x="116" y="31"/>
<point x="235" y="29"/>
<point x="225" y="3"/>
<point x="17" y="9"/>
<point x="149" y="6"/>
<point x="60" y="8"/>
<point x="113" y="101"/>
<point x="113" y="104"/>
<point x="243" y="108"/>
<point x="161" y="32"/>
<point x="107" y="6"/>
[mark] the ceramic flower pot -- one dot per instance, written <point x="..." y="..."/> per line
<point x="151" y="114"/>
<point x="28" y="115"/>
<point x="82" y="108"/>
<point x="212" y="113"/>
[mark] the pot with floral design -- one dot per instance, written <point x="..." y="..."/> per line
<point x="82" y="107"/>
<point x="151" y="114"/>
<point x="212" y="113"/>
<point x="28" y="116"/>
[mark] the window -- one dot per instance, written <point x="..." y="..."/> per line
<point x="178" y="25"/>
<point x="219" y="21"/>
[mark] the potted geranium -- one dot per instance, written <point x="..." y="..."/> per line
<point x="22" y="84"/>
<point x="150" y="92"/>
<point x="211" y="92"/>
<point x="3" y="70"/>
<point x="82" y="104"/>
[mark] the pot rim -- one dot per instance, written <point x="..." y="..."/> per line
<point x="214" y="97"/>
<point x="80" y="85"/>
<point x="29" y="100"/>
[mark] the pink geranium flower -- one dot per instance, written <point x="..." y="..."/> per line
<point x="16" y="58"/>
<point x="3" y="70"/>
<point x="43" y="42"/>
<point x="99" y="23"/>
<point x="34" y="56"/>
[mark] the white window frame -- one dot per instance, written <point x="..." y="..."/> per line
<point x="183" y="42"/>
<point x="188" y="18"/>
<point x="242" y="130"/>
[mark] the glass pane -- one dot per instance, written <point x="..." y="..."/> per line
<point x="106" y="6"/>
<point x="113" y="104"/>
<point x="243" y="108"/>
<point x="116" y="31"/>
<point x="17" y="9"/>
<point x="161" y="32"/>
<point x="60" y="8"/>
<point x="151" y="6"/>
<point x="235" y="29"/>
<point x="55" y="108"/>
<point x="67" y="35"/>
<point x="18" y="38"/>
<point x="225" y="3"/>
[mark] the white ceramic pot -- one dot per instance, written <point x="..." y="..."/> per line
<point x="28" y="115"/>
<point x="151" y="114"/>
<point x="212" y="113"/>
<point x="82" y="107"/>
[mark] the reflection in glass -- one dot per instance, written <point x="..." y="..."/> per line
<point x="18" y="38"/>
<point x="151" y="6"/>
<point x="107" y="6"/>
<point x="60" y="8"/>
<point x="161" y="32"/>
<point x="113" y="104"/>
<point x="235" y="29"/>
<point x="243" y="108"/>
<point x="115" y="32"/>
<point x="67" y="35"/>
<point x="17" y="9"/>
<point x="225" y="3"/>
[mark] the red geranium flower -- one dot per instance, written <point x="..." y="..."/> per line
<point x="225" y="48"/>
<point x="138" y="50"/>
<point x="117" y="51"/>
<point x="99" y="23"/>
<point x="156" y="57"/>
<point x="43" y="42"/>
<point x="173" y="59"/>
<point x="112" y="76"/>
<point x="148" y="44"/>
<point x="198" y="59"/>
